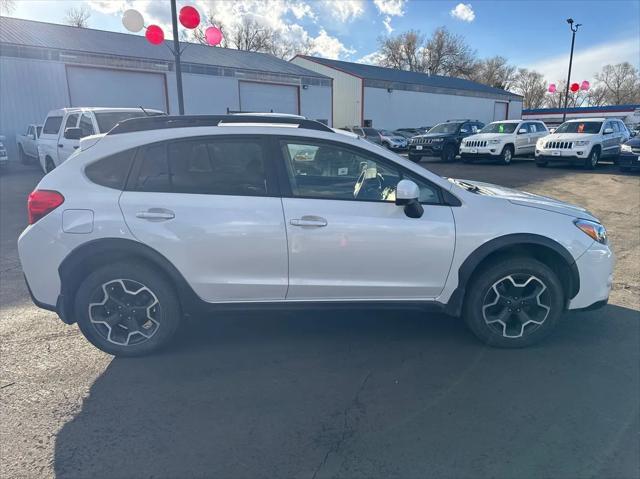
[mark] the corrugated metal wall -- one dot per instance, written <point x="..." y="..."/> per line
<point x="22" y="83"/>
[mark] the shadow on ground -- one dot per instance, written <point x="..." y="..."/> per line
<point x="364" y="394"/>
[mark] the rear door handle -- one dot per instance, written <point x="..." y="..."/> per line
<point x="309" y="221"/>
<point x="156" y="214"/>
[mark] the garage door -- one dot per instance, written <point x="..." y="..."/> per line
<point x="268" y="98"/>
<point x="500" y="110"/>
<point x="116" y="88"/>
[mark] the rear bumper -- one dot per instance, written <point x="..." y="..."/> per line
<point x="59" y="308"/>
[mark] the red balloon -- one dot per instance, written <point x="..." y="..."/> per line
<point x="213" y="36"/>
<point x="584" y="85"/>
<point x="154" y="34"/>
<point x="552" y="88"/>
<point x="189" y="17"/>
<point x="575" y="87"/>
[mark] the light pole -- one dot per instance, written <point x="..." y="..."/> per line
<point x="574" y="29"/>
<point x="176" y="54"/>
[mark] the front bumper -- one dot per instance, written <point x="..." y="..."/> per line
<point x="396" y="146"/>
<point x="428" y="149"/>
<point x="482" y="152"/>
<point x="4" y="160"/>
<point x="571" y="155"/>
<point x="595" y="268"/>
<point x="629" y="160"/>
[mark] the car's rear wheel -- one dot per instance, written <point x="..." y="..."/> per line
<point x="24" y="159"/>
<point x="507" y="155"/>
<point x="49" y="165"/>
<point x="514" y="303"/>
<point x="127" y="309"/>
<point x="592" y="160"/>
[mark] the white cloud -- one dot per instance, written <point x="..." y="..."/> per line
<point x="344" y="10"/>
<point x="587" y="62"/>
<point x="464" y="12"/>
<point x="394" y="8"/>
<point x="327" y="46"/>
<point x="387" y="24"/>
<point x="372" y="58"/>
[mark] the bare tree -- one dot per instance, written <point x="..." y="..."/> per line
<point x="620" y="84"/>
<point x="404" y="51"/>
<point x="7" y="6"/>
<point x="199" y="35"/>
<point x="532" y="86"/>
<point x="448" y="54"/>
<point x="77" y="17"/>
<point x="495" y="72"/>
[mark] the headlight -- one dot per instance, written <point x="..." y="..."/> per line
<point x="626" y="148"/>
<point x="595" y="230"/>
<point x="494" y="142"/>
<point x="581" y="143"/>
<point x="540" y="142"/>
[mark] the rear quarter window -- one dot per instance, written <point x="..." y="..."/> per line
<point x="111" y="171"/>
<point x="52" y="125"/>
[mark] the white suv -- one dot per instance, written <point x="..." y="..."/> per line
<point x="503" y="140"/>
<point x="583" y="141"/>
<point x="171" y="216"/>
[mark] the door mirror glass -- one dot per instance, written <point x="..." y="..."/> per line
<point x="32" y="136"/>
<point x="73" y="133"/>
<point x="608" y="131"/>
<point x="522" y="131"/>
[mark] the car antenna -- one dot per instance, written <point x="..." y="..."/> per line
<point x="143" y="110"/>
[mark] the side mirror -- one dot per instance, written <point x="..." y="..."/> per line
<point x="73" y="133"/>
<point x="608" y="131"/>
<point x="32" y="136"/>
<point x="407" y="195"/>
<point x="522" y="131"/>
<point x="464" y="131"/>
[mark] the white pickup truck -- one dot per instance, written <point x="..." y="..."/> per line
<point x="28" y="144"/>
<point x="63" y="129"/>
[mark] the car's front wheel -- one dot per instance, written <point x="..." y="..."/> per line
<point x="415" y="158"/>
<point x="448" y="153"/>
<point x="514" y="303"/>
<point x="127" y="309"/>
<point x="592" y="160"/>
<point x="507" y="155"/>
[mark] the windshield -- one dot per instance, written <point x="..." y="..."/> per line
<point x="370" y="131"/>
<point x="445" y="128"/>
<point x="499" y="128"/>
<point x="579" y="127"/>
<point x="108" y="119"/>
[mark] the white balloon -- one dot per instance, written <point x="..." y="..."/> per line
<point x="132" y="20"/>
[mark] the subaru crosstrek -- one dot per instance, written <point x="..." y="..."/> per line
<point x="166" y="217"/>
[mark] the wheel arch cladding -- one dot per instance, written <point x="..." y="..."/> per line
<point x="544" y="249"/>
<point x="94" y="254"/>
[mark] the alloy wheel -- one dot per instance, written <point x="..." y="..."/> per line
<point x="125" y="312"/>
<point x="506" y="156"/>
<point x="516" y="305"/>
<point x="594" y="158"/>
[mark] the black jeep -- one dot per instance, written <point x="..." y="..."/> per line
<point x="443" y="140"/>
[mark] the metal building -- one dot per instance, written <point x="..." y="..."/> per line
<point x="368" y="95"/>
<point x="630" y="114"/>
<point x="45" y="66"/>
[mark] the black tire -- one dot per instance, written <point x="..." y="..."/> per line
<point x="49" y="165"/>
<point x="448" y="154"/>
<point x="505" y="335"/>
<point x="507" y="155"/>
<point x="24" y="159"/>
<point x="415" y="158"/>
<point x="541" y="163"/>
<point x="159" y="324"/>
<point x="591" y="161"/>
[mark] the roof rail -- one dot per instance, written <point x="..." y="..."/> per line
<point x="187" y="121"/>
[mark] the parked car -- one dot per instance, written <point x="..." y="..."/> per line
<point x="27" y="144"/>
<point x="366" y="132"/>
<point x="4" y="158"/>
<point x="583" y="141"/>
<point x="630" y="155"/>
<point x="392" y="141"/>
<point x="443" y="140"/>
<point x="157" y="219"/>
<point x="63" y="129"/>
<point x="408" y="132"/>
<point x="503" y="140"/>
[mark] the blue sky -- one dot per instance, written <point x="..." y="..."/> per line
<point x="532" y="34"/>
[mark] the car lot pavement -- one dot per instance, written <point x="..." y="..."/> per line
<point x="341" y="394"/>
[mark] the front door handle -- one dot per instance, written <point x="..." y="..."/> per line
<point x="309" y="221"/>
<point x="156" y="214"/>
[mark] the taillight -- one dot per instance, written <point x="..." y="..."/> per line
<point x="41" y="203"/>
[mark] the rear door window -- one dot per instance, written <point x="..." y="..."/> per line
<point x="111" y="171"/>
<point x="52" y="125"/>
<point x="72" y="121"/>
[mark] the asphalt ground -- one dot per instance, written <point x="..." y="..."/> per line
<point x="332" y="394"/>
